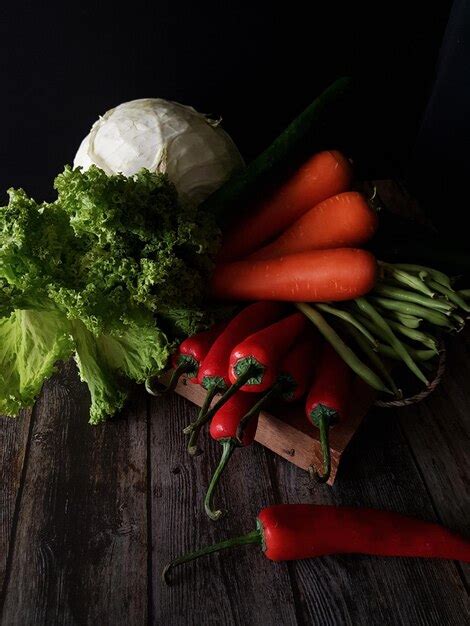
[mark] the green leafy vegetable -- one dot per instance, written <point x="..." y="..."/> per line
<point x="113" y="270"/>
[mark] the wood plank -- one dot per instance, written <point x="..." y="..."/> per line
<point x="378" y="471"/>
<point x="14" y="436"/>
<point x="80" y="555"/>
<point x="237" y="587"/>
<point x="284" y="429"/>
<point x="438" y="431"/>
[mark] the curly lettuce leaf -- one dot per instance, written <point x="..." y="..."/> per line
<point x="31" y="342"/>
<point x="105" y="362"/>
<point x="117" y="269"/>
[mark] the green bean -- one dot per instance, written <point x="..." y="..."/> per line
<point x="411" y="333"/>
<point x="453" y="296"/>
<point x="407" y="279"/>
<point x="460" y="321"/>
<point x="419" y="355"/>
<point x="373" y="358"/>
<point x="366" y="307"/>
<point x="407" y="320"/>
<point x="465" y="293"/>
<point x="344" y="351"/>
<point x="415" y="298"/>
<point x="350" y="319"/>
<point x="438" y="276"/>
<point x="434" y="317"/>
<point x="416" y="335"/>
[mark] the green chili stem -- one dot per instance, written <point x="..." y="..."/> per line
<point x="324" y="428"/>
<point x="438" y="276"/>
<point x="396" y="293"/>
<point x="256" y="408"/>
<point x="228" y="446"/>
<point x="347" y="317"/>
<point x="366" y="307"/>
<point x="171" y="386"/>
<point x="255" y="536"/>
<point x="419" y="355"/>
<point x="374" y="359"/>
<point x="344" y="351"/>
<point x="433" y="317"/>
<point x="453" y="296"/>
<point x="195" y="428"/>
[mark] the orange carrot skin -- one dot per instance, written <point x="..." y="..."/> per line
<point x="322" y="176"/>
<point x="314" y="276"/>
<point x="342" y="221"/>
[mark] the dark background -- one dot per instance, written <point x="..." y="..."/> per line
<point x="64" y="64"/>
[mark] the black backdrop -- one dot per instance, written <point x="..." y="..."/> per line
<point x="63" y="64"/>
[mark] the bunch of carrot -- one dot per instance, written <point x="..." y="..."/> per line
<point x="301" y="245"/>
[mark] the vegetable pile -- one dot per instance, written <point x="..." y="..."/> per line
<point x="126" y="270"/>
<point x="113" y="272"/>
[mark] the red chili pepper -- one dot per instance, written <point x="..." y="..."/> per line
<point x="295" y="373"/>
<point x="223" y="429"/>
<point x="188" y="358"/>
<point x="259" y="355"/>
<point x="288" y="532"/>
<point x="213" y="375"/>
<point x="328" y="400"/>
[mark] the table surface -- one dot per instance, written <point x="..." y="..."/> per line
<point x="89" y="516"/>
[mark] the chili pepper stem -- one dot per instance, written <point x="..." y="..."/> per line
<point x="194" y="429"/>
<point x="323" y="418"/>
<point x="171" y="386"/>
<point x="255" y="536"/>
<point x="255" y="409"/>
<point x="228" y="446"/>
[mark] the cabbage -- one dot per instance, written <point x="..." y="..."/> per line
<point x="162" y="136"/>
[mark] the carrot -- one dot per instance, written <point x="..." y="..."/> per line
<point x="314" y="276"/>
<point x="344" y="220"/>
<point x="323" y="175"/>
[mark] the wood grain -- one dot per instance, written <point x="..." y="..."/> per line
<point x="378" y="471"/>
<point x="438" y="433"/>
<point x="284" y="429"/>
<point x="237" y="587"/>
<point x="80" y="552"/>
<point x="14" y="437"/>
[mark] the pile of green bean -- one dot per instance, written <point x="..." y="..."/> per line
<point x="402" y="319"/>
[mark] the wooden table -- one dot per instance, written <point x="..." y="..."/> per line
<point x="89" y="515"/>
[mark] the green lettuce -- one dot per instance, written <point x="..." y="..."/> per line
<point x="112" y="271"/>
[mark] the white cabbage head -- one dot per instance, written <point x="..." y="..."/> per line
<point x="162" y="136"/>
